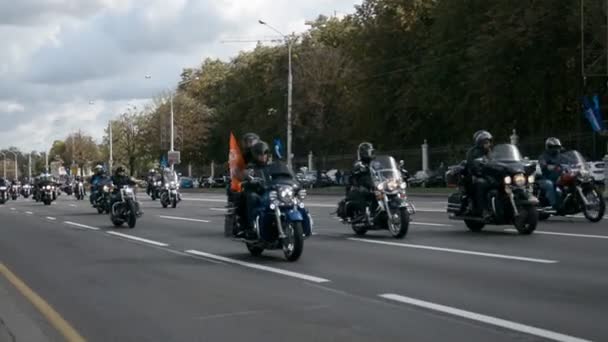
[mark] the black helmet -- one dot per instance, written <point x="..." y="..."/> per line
<point x="120" y="170"/>
<point x="365" y="152"/>
<point x="259" y="149"/>
<point x="553" y="143"/>
<point x="248" y="140"/>
<point x="480" y="136"/>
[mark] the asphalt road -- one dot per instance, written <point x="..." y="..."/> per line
<point x="186" y="282"/>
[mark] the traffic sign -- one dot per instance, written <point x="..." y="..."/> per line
<point x="173" y="157"/>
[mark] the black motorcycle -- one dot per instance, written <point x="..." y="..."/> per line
<point x="156" y="189"/>
<point x="576" y="191"/>
<point x="46" y="194"/>
<point x="510" y="198"/>
<point x="3" y="194"/>
<point x="102" y="193"/>
<point x="26" y="190"/>
<point x="14" y="192"/>
<point x="125" y="207"/>
<point x="390" y="208"/>
<point x="79" y="190"/>
<point x="169" y="194"/>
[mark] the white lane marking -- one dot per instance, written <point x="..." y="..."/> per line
<point x="183" y="219"/>
<point x="80" y="225"/>
<point x="218" y="209"/>
<point x="259" y="267"/>
<point x="13" y="209"/>
<point x="72" y="205"/>
<point x="526" y="329"/>
<point x="563" y="234"/>
<point x="204" y="199"/>
<point x="458" y="251"/>
<point x="50" y="218"/>
<point x="131" y="237"/>
<point x="430" y="224"/>
<point x="29" y="213"/>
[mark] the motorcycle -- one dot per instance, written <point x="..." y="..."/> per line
<point x="79" y="190"/>
<point x="156" y="189"/>
<point x="511" y="198"/>
<point x="389" y="210"/>
<point x="14" y="192"/>
<point x="126" y="208"/>
<point x="576" y="191"/>
<point x="26" y="190"/>
<point x="3" y="194"/>
<point x="47" y="194"/>
<point x="101" y="202"/>
<point x="68" y="188"/>
<point x="282" y="221"/>
<point x="169" y="194"/>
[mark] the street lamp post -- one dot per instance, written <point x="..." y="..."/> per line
<point x="172" y="143"/>
<point x="29" y="166"/>
<point x="289" y="92"/>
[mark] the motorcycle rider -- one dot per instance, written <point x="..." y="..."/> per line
<point x="236" y="199"/>
<point x="359" y="191"/>
<point x="120" y="179"/>
<point x="96" y="181"/>
<point x="253" y="184"/>
<point x="44" y="180"/>
<point x="152" y="176"/>
<point x="550" y="167"/>
<point x="478" y="186"/>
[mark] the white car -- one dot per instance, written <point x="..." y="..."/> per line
<point x="597" y="171"/>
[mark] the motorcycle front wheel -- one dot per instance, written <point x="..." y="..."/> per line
<point x="401" y="224"/>
<point x="526" y="221"/>
<point x="254" y="250"/>
<point x="132" y="215"/>
<point x="594" y="212"/>
<point x="293" y="244"/>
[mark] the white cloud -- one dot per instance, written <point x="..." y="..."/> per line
<point x="59" y="54"/>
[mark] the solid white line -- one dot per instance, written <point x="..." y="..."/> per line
<point x="183" y="219"/>
<point x="50" y="218"/>
<point x="564" y="234"/>
<point x="259" y="267"/>
<point x="218" y="209"/>
<point x="430" y="224"/>
<point x="484" y="319"/>
<point x="152" y="242"/>
<point x="80" y="225"/>
<point x="13" y="209"/>
<point x="204" y="199"/>
<point x="29" y="213"/>
<point x="458" y="251"/>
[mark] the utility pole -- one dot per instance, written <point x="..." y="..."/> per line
<point x="111" y="161"/>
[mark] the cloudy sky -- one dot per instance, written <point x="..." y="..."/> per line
<point x="58" y="55"/>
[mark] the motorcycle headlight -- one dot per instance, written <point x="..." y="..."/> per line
<point x="584" y="173"/>
<point x="392" y="185"/>
<point x="286" y="194"/>
<point x="106" y="188"/>
<point x="159" y="183"/>
<point x="3" y="188"/>
<point x="403" y="185"/>
<point x="302" y="194"/>
<point x="531" y="179"/>
<point x="380" y="186"/>
<point x="519" y="179"/>
<point x="508" y="180"/>
<point x="48" y="187"/>
<point x="129" y="191"/>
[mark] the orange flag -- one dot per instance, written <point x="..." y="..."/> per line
<point x="237" y="164"/>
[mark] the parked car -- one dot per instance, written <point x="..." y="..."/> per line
<point x="597" y="171"/>
<point x="186" y="183"/>
<point x="307" y="179"/>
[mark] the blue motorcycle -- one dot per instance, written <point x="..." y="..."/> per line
<point x="282" y="221"/>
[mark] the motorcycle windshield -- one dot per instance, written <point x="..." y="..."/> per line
<point x="170" y="176"/>
<point x="278" y="171"/>
<point x="574" y="160"/>
<point x="386" y="168"/>
<point x="506" y="153"/>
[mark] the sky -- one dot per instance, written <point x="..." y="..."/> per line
<point x="67" y="65"/>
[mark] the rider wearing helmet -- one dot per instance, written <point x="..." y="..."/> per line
<point x="551" y="169"/>
<point x="253" y="184"/>
<point x="478" y="185"/>
<point x="96" y="181"/>
<point x="359" y="191"/>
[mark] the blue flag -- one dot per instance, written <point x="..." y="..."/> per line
<point x="590" y="114"/>
<point x="596" y="110"/>
<point x="278" y="148"/>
